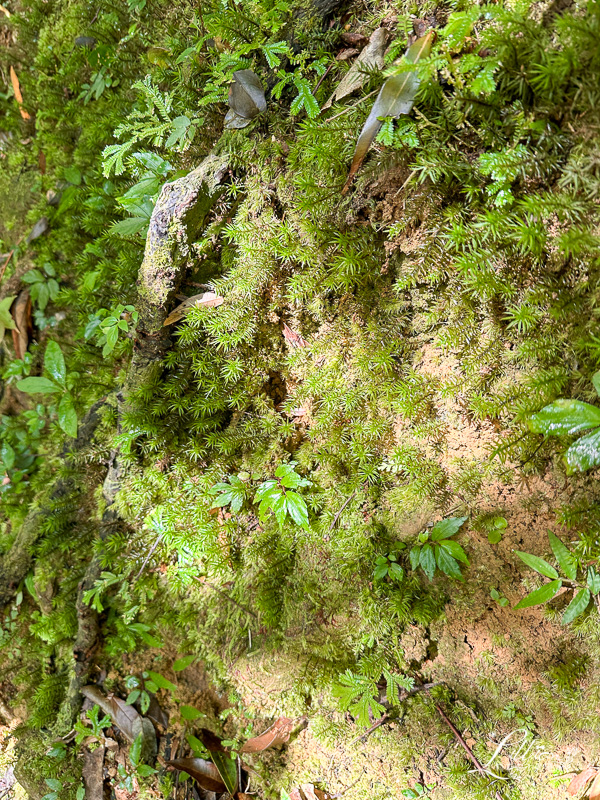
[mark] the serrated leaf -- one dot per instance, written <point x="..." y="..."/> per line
<point x="541" y="595"/>
<point x="538" y="564"/>
<point x="447" y="564"/>
<point x="565" y="417"/>
<point x="564" y="557"/>
<point x="305" y="99"/>
<point x="395" y="98"/>
<point x="370" y="58"/>
<point x="455" y="551"/>
<point x="380" y="571"/>
<point x="396" y="571"/>
<point x="427" y="561"/>
<point x="183" y="663"/>
<point x="8" y="455"/>
<point x="297" y="509"/>
<point x="446" y="528"/>
<point x="577" y="606"/>
<point x="37" y="386"/>
<point x="129" y="227"/>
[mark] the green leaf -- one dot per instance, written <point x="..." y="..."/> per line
<point x="80" y="794"/>
<point x="196" y="745"/>
<point x="145" y="770"/>
<point x="541" y="595"/>
<point x="37" y="386"/>
<point x="577" y="606"/>
<point x="8" y="455"/>
<point x="132" y="697"/>
<point x="564" y="557"/>
<point x="395" y="98"/>
<point x="305" y="100"/>
<point x="380" y="571"/>
<point x="593" y="580"/>
<point x="190" y="713"/>
<point x="54" y="362"/>
<point x="227" y="770"/>
<point x="129" y="227"/>
<point x="162" y="682"/>
<point x="297" y="509"/>
<point x="447" y="564"/>
<point x="427" y="561"/>
<point x="73" y="175"/>
<point x="273" y="51"/>
<point x="67" y="417"/>
<point x="396" y="572"/>
<point x="455" y="551"/>
<point x="145" y="702"/>
<point x="584" y="453"/>
<point x="494" y="537"/>
<point x="54" y="784"/>
<point x="565" y="417"/>
<point x="183" y="663"/>
<point x="414" y="556"/>
<point x="135" y="752"/>
<point x="538" y="564"/>
<point x="446" y="528"/>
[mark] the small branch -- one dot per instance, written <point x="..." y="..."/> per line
<point x="5" y="265"/>
<point x="339" y="513"/>
<point x="374" y="727"/>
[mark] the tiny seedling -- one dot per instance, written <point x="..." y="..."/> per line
<point x="98" y="725"/>
<point x="278" y="495"/>
<point x="499" y="598"/>
<point x="387" y="566"/>
<point x="418" y="791"/>
<point x="435" y="550"/>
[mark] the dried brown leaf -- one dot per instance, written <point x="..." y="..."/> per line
<point x="246" y="99"/>
<point x="579" y="782"/>
<point x="17" y="90"/>
<point x="292" y="338"/>
<point x="93" y="773"/>
<point x="277" y="734"/>
<point x="396" y="97"/>
<point x="354" y="39"/>
<point x="349" y="52"/>
<point x="371" y="58"/>
<point x="594" y="791"/>
<point x="21" y="314"/>
<point x="203" y="772"/>
<point x="206" y="299"/>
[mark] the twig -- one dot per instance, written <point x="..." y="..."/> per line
<point x="339" y="513"/>
<point x="463" y="744"/>
<point x="148" y="557"/>
<point x="5" y="265"/>
<point x="347" y="789"/>
<point x="226" y="596"/>
<point x="322" y="78"/>
<point x="374" y="727"/>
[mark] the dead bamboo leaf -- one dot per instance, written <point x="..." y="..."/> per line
<point x="206" y="299"/>
<point x="203" y="772"/>
<point x="21" y="314"/>
<point x="246" y="99"/>
<point x="93" y="773"/>
<point x="396" y="97"/>
<point x="579" y="782"/>
<point x="292" y="338"/>
<point x="17" y="90"/>
<point x="278" y="733"/>
<point x="594" y="790"/>
<point x="371" y="58"/>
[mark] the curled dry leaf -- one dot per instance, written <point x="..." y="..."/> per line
<point x="17" y="90"/>
<point x="396" y="97"/>
<point x="579" y="782"/>
<point x="206" y="299"/>
<point x="246" y="99"/>
<point x="278" y="733"/>
<point x="203" y="772"/>
<point x="292" y="338"/>
<point x="21" y="314"/>
<point x="371" y="58"/>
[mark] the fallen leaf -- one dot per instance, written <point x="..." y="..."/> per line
<point x="594" y="791"/>
<point x="292" y="338"/>
<point x="301" y="411"/>
<point x="206" y="299"/>
<point x="579" y="782"/>
<point x="21" y="314"/>
<point x="93" y="773"/>
<point x="42" y="162"/>
<point x="349" y="52"/>
<point x="371" y="58"/>
<point x="278" y="733"/>
<point x="40" y="227"/>
<point x="17" y="90"/>
<point x="125" y="718"/>
<point x="246" y="99"/>
<point x="203" y="772"/>
<point x="395" y="98"/>
<point x="354" y="39"/>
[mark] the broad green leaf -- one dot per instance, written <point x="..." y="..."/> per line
<point x="565" y="417"/>
<point x="8" y="455"/>
<point x="228" y="770"/>
<point x="427" y="561"/>
<point x="396" y="97"/>
<point x="577" y="606"/>
<point x="183" y="663"/>
<point x="132" y="697"/>
<point x="564" y="557"/>
<point x="37" y="386"/>
<point x="67" y="416"/>
<point x="224" y="500"/>
<point x="196" y="745"/>
<point x="455" y="550"/>
<point x="264" y="489"/>
<point x="297" y="509"/>
<point x="54" y="784"/>
<point x="494" y="537"/>
<point x="145" y="770"/>
<point x="541" y="595"/>
<point x="135" y="750"/>
<point x="80" y="794"/>
<point x="414" y="556"/>
<point x="73" y="175"/>
<point x="162" y="682"/>
<point x="446" y="528"/>
<point x="54" y="362"/>
<point x="396" y="572"/>
<point x="584" y="453"/>
<point x="538" y="564"/>
<point x="596" y="381"/>
<point x="380" y="571"/>
<point x="593" y="581"/>
<point x="190" y="713"/>
<point x="129" y="227"/>
<point x="447" y="564"/>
